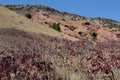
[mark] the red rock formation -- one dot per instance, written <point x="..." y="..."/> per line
<point x="104" y="34"/>
<point x="78" y="28"/>
<point x="42" y="17"/>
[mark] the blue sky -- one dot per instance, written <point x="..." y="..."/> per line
<point x="89" y="8"/>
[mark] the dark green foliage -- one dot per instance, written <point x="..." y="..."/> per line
<point x="29" y="16"/>
<point x="55" y="26"/>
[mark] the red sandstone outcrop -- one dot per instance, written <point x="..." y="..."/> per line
<point x="79" y="29"/>
<point x="42" y="17"/>
<point x="104" y="34"/>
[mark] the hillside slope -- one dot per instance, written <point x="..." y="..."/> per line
<point x="22" y="9"/>
<point x="41" y="57"/>
<point x="71" y="24"/>
<point x="27" y="55"/>
<point x="9" y="19"/>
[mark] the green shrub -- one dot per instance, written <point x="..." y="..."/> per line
<point x="29" y="16"/>
<point x="55" y="26"/>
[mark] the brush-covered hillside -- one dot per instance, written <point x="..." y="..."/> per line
<point x="109" y="23"/>
<point x="73" y="25"/>
<point x="24" y="9"/>
<point x="32" y="49"/>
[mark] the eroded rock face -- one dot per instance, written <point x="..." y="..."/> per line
<point x="42" y="17"/>
<point x="104" y="34"/>
<point x="67" y="31"/>
<point x="78" y="29"/>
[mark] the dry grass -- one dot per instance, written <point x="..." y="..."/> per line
<point x="10" y="19"/>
